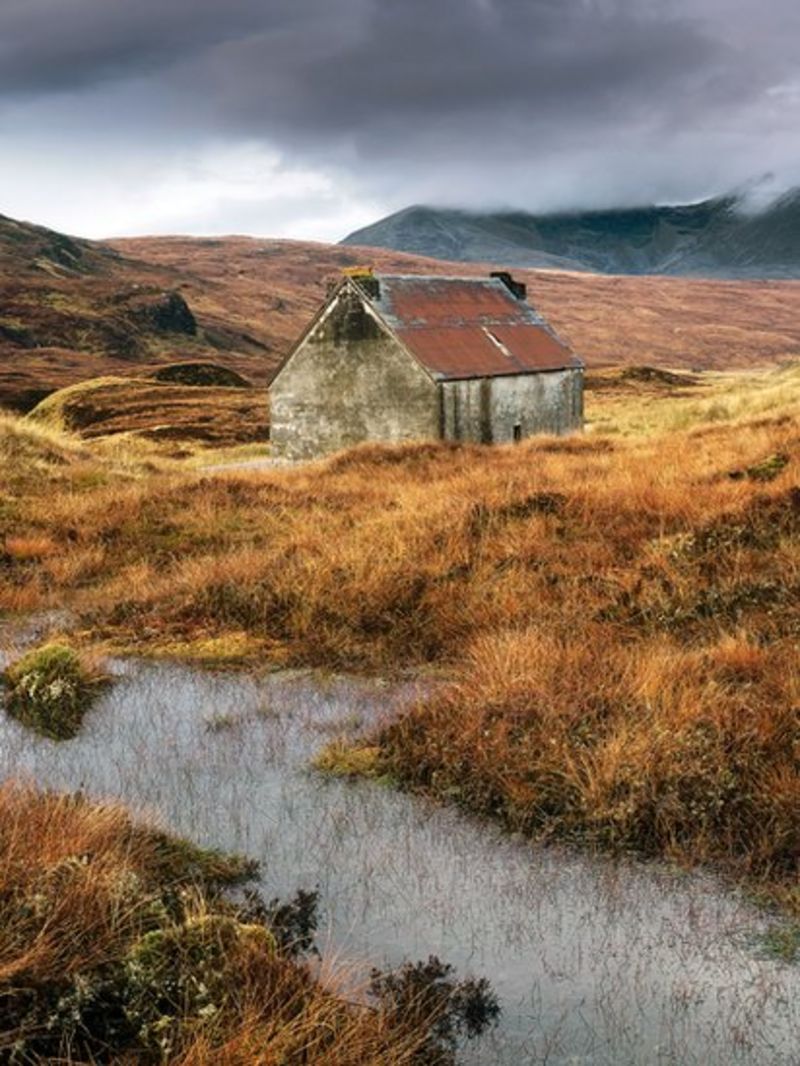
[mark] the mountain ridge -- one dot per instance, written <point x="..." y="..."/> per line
<point x="716" y="238"/>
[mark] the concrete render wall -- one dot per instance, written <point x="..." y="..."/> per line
<point x="487" y="410"/>
<point x="348" y="382"/>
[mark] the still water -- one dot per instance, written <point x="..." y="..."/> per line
<point x="594" y="961"/>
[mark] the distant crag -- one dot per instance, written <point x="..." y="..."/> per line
<point x="715" y="238"/>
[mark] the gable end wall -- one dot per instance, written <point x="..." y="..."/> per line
<point x="348" y="382"/>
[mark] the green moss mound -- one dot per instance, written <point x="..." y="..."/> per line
<point x="187" y="974"/>
<point x="50" y="690"/>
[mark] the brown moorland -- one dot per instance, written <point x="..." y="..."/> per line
<point x="618" y="613"/>
<point x="71" y="310"/>
<point x="271" y="288"/>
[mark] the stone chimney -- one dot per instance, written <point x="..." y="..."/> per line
<point x="517" y="289"/>
<point x="365" y="278"/>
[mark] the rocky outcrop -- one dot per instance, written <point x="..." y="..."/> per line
<point x="166" y="312"/>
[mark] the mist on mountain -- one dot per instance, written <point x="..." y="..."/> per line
<point x="722" y="237"/>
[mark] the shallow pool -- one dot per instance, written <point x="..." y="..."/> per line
<point x="594" y="961"/>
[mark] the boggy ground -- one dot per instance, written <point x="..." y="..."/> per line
<point x="618" y="615"/>
<point x="119" y="943"/>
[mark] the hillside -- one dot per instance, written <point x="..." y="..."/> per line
<point x="273" y="287"/>
<point x="714" y="238"/>
<point x="71" y="310"/>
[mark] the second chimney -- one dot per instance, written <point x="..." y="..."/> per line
<point x="517" y="288"/>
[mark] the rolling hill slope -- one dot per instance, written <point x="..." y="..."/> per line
<point x="72" y="309"/>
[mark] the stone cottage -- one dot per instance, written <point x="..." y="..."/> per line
<point x="403" y="357"/>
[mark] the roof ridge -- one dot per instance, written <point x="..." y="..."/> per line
<point x="481" y="278"/>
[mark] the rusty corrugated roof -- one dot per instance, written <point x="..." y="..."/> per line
<point x="469" y="327"/>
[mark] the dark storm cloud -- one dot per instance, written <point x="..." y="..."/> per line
<point x="319" y="64"/>
<point x="48" y="45"/>
<point x="415" y="63"/>
<point x="407" y="87"/>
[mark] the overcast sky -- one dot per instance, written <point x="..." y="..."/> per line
<point x="308" y="118"/>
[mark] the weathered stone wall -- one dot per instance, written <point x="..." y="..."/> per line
<point x="487" y="409"/>
<point x="349" y="382"/>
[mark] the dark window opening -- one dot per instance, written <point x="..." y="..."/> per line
<point x="517" y="431"/>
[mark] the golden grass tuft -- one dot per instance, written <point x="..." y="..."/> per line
<point x="650" y="746"/>
<point x="27" y="448"/>
<point x="346" y="759"/>
<point x="30" y="548"/>
<point x="621" y="403"/>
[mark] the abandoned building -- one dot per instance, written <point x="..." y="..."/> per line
<point x="402" y="357"/>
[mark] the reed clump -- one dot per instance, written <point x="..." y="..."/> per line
<point x="650" y="746"/>
<point x="349" y="760"/>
